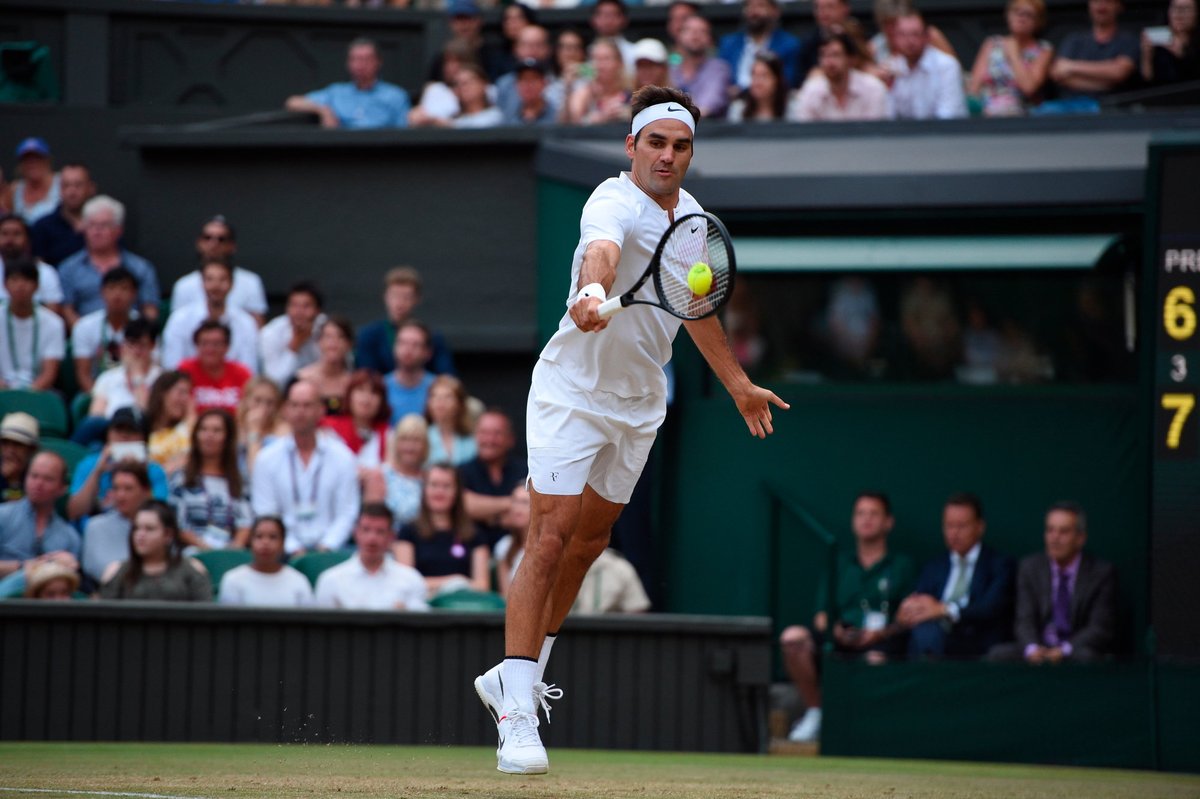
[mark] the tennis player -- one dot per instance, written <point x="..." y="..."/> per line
<point x="595" y="405"/>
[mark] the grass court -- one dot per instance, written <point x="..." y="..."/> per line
<point x="259" y="771"/>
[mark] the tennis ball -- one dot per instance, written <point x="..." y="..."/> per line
<point x="699" y="279"/>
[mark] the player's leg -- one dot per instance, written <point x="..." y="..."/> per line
<point x="552" y="520"/>
<point x="589" y="539"/>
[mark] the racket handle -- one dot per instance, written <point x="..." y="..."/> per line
<point x="609" y="307"/>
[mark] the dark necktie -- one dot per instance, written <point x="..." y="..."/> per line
<point x="1062" y="607"/>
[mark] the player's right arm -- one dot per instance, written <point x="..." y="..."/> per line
<point x="599" y="265"/>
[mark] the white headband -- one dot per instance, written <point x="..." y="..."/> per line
<point x="654" y="113"/>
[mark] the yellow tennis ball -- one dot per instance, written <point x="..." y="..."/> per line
<point x="699" y="279"/>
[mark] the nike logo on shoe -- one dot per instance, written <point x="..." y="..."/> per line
<point x="695" y="228"/>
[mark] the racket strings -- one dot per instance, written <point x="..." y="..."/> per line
<point x="692" y="242"/>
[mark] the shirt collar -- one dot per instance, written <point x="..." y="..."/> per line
<point x="1071" y="569"/>
<point x="648" y="201"/>
<point x="972" y="556"/>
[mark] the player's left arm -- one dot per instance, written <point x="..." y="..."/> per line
<point x="753" y="402"/>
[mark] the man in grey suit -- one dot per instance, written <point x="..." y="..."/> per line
<point x="1066" y="598"/>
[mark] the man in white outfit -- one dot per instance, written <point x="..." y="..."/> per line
<point x="597" y="399"/>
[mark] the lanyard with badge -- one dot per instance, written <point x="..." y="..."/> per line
<point x="305" y="511"/>
<point x="12" y="342"/>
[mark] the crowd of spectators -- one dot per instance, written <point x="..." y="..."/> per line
<point x="206" y="427"/>
<point x="970" y="602"/>
<point x="907" y="70"/>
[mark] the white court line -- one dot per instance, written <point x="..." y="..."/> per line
<point x="94" y="793"/>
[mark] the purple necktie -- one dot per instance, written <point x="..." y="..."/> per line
<point x="1062" y="606"/>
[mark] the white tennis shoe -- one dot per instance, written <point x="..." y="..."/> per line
<point x="520" y="750"/>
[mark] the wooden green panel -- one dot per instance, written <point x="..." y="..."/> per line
<point x="1090" y="715"/>
<point x="1020" y="449"/>
<point x="559" y="205"/>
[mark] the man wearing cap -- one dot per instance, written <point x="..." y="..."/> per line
<point x="597" y="398"/>
<point x="18" y="441"/>
<point x="761" y="32"/>
<point x="650" y="64"/>
<point x="103" y="226"/>
<point x="60" y="233"/>
<point x="218" y="242"/>
<point x="38" y="190"/>
<point x="32" y="338"/>
<point x="698" y="73"/>
<point x="15" y="243"/>
<point x="31" y="531"/>
<point x="466" y="23"/>
<point x="93" y="480"/>
<point x="533" y="108"/>
<point x="364" y="101"/>
<point x="532" y="52"/>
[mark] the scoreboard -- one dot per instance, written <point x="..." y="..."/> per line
<point x="1172" y="291"/>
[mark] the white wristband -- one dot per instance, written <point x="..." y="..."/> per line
<point x="590" y="290"/>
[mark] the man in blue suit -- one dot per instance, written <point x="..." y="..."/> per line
<point x="761" y="32"/>
<point x="962" y="604"/>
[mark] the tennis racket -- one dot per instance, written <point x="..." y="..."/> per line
<point x="694" y="239"/>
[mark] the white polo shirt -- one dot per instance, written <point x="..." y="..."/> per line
<point x="245" y="585"/>
<point x="627" y="358"/>
<point x="393" y="586"/>
<point x="177" y="343"/>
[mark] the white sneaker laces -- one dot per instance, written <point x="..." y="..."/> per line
<point x="523" y="726"/>
<point x="543" y="693"/>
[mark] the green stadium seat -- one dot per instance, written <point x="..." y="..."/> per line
<point x="72" y="453"/>
<point x="219" y="561"/>
<point x="313" y="563"/>
<point x="468" y="600"/>
<point x="45" y="406"/>
<point x="79" y="409"/>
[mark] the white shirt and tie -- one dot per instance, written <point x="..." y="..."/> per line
<point x="957" y="593"/>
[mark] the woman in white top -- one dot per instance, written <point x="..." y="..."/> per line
<point x="266" y="581"/>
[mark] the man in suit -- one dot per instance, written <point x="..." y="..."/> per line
<point x="1066" y="598"/>
<point x="962" y="604"/>
<point x="761" y="32"/>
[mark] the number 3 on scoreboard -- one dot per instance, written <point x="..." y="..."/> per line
<point x="1182" y="404"/>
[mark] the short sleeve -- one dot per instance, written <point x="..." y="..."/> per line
<point x="49" y="286"/>
<point x="479" y="539"/>
<point x="322" y="96"/>
<point x="1070" y="46"/>
<point x="1129" y="46"/>
<point x="53" y="344"/>
<point x="255" y="296"/>
<point x="84" y="341"/>
<point x="607" y="217"/>
<point x="408" y="532"/>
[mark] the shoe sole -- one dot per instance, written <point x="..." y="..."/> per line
<point x="490" y="702"/>
<point x="507" y="768"/>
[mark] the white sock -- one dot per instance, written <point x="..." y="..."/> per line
<point x="544" y="657"/>
<point x="519" y="675"/>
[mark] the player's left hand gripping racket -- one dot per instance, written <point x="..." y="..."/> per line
<point x="693" y="239"/>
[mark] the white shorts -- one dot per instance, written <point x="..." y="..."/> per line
<point x="578" y="438"/>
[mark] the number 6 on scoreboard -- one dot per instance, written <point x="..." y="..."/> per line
<point x="1182" y="404"/>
